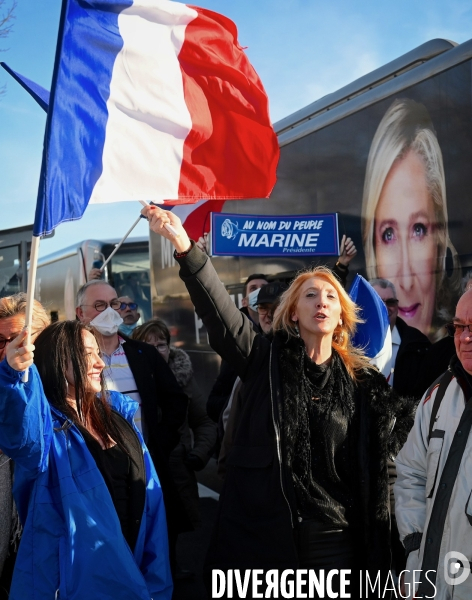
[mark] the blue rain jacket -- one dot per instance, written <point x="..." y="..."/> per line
<point x="72" y="546"/>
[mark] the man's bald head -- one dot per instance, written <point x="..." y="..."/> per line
<point x="463" y="341"/>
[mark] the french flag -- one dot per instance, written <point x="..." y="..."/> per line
<point x="196" y="217"/>
<point x="35" y="90"/>
<point x="152" y="100"/>
<point x="373" y="335"/>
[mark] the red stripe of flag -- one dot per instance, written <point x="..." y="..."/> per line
<point x="232" y="150"/>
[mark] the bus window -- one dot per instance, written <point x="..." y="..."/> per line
<point x="130" y="277"/>
<point x="10" y="271"/>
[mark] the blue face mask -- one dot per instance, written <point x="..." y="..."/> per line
<point x="127" y="329"/>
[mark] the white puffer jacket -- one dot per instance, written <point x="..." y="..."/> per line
<point x="433" y="505"/>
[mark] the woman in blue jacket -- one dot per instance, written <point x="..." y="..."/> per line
<point x="86" y="489"/>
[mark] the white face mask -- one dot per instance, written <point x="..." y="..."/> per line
<point x="252" y="299"/>
<point x="107" y="322"/>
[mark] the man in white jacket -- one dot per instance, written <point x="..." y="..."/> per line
<point x="433" y="492"/>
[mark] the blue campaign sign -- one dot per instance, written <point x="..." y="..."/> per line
<point x="287" y="235"/>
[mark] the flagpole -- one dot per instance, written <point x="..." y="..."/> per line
<point x="118" y="246"/>
<point x="30" y="292"/>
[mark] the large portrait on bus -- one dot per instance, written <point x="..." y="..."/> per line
<point x="398" y="173"/>
<point x="405" y="231"/>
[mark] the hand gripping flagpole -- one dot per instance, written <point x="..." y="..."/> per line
<point x="168" y="226"/>
<point x="30" y="293"/>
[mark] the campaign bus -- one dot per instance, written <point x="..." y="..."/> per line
<point x="386" y="160"/>
<point x="15" y="245"/>
<point x="61" y="274"/>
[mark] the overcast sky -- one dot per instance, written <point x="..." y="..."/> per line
<point x="301" y="49"/>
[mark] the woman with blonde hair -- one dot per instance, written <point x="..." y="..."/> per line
<point x="306" y="482"/>
<point x="12" y="321"/>
<point x="405" y="221"/>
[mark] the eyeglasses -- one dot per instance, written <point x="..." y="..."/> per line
<point x="101" y="305"/>
<point x="391" y="302"/>
<point x="130" y="305"/>
<point x="161" y="347"/>
<point x="5" y="341"/>
<point x="263" y="309"/>
<point x="457" y="328"/>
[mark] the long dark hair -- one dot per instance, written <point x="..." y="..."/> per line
<point x="58" y="346"/>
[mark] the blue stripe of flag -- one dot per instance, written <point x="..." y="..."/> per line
<point x="88" y="44"/>
<point x="40" y="94"/>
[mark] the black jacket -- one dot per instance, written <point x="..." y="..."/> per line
<point x="257" y="513"/>
<point x="221" y="391"/>
<point x="164" y="410"/>
<point x="223" y="386"/>
<point x="164" y="404"/>
<point x="435" y="363"/>
<point x="414" y="347"/>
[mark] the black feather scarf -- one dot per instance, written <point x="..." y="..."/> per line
<point x="304" y="382"/>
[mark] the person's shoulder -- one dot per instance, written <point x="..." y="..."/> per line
<point x="123" y="404"/>
<point x="381" y="398"/>
<point x="370" y="377"/>
<point x="145" y="354"/>
<point x="137" y="345"/>
<point x="410" y="334"/>
<point x="373" y="385"/>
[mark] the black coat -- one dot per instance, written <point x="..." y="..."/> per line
<point x="413" y="350"/>
<point x="435" y="363"/>
<point x="257" y="513"/>
<point x="164" y="410"/>
<point x="164" y="403"/>
<point x="223" y="386"/>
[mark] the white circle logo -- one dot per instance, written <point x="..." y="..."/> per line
<point x="229" y="229"/>
<point x="456" y="568"/>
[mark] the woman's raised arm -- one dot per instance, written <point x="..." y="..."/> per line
<point x="25" y="417"/>
<point x="158" y="219"/>
<point x="231" y="333"/>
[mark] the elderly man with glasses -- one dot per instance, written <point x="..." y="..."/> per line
<point x="134" y="368"/>
<point x="128" y="311"/>
<point x="433" y="492"/>
<point x="409" y="345"/>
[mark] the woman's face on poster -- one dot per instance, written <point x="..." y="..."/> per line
<point x="405" y="240"/>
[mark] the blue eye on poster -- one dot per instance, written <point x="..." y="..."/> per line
<point x="287" y="235"/>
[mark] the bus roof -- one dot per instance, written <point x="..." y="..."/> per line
<point x="421" y="63"/>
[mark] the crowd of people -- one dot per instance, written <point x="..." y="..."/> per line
<point x="326" y="464"/>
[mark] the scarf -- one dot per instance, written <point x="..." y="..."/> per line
<point x="304" y="382"/>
